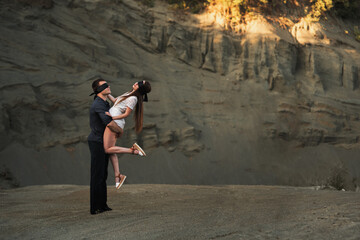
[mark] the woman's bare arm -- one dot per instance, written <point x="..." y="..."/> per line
<point x="112" y="99"/>
<point x="121" y="116"/>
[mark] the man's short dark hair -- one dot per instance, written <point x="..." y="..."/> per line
<point x="95" y="83"/>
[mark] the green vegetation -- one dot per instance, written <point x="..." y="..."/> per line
<point x="194" y="6"/>
<point x="347" y="8"/>
<point x="314" y="9"/>
<point x="357" y="33"/>
<point x="318" y="8"/>
<point x="233" y="12"/>
<point x="148" y="3"/>
<point x="337" y="177"/>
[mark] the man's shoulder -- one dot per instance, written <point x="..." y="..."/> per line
<point x="98" y="103"/>
<point x="95" y="103"/>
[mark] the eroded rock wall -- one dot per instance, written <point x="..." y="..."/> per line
<point x="222" y="100"/>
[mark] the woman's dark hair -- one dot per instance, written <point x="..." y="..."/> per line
<point x="138" y="115"/>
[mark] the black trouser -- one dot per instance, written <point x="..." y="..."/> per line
<point x="99" y="173"/>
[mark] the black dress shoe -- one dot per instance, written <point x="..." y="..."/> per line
<point x="97" y="211"/>
<point x="106" y="208"/>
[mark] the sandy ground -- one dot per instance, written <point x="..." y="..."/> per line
<point x="180" y="212"/>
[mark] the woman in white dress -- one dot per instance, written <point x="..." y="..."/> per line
<point x="122" y="108"/>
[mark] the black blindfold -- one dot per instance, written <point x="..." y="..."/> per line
<point x="99" y="89"/>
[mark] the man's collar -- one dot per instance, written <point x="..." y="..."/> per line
<point x="97" y="96"/>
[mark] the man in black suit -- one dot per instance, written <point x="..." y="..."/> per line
<point x="99" y="159"/>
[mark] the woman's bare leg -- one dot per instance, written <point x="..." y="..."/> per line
<point x="109" y="144"/>
<point x="115" y="163"/>
<point x="110" y="148"/>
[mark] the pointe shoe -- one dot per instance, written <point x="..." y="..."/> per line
<point x="141" y="151"/>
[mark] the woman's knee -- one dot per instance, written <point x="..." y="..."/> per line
<point x="108" y="149"/>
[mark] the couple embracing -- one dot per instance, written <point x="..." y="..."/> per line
<point x="107" y="125"/>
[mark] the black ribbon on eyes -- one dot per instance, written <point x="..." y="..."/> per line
<point x="99" y="89"/>
<point x="142" y="91"/>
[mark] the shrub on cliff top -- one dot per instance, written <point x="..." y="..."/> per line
<point x="357" y="33"/>
<point x="318" y="8"/>
<point x="314" y="9"/>
<point x="194" y="6"/>
<point x="347" y="8"/>
<point x="149" y="3"/>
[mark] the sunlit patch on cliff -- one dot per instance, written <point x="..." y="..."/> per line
<point x="229" y="16"/>
<point x="289" y="19"/>
<point x="308" y="32"/>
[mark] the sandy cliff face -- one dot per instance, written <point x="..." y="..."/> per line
<point x="265" y="106"/>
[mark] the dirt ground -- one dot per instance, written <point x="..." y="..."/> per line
<point x="180" y="212"/>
